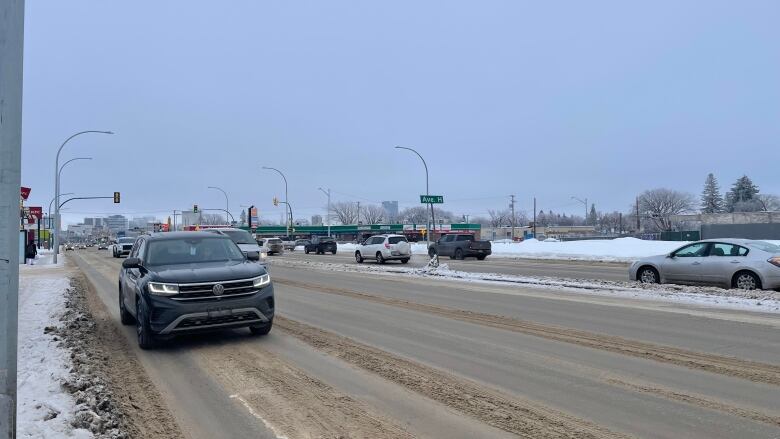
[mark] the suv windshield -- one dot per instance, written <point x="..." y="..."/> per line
<point x="274" y="241"/>
<point x="126" y="240"/>
<point x="240" y="236"/>
<point x="192" y="250"/>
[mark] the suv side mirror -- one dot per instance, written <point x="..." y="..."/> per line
<point x="253" y="256"/>
<point x="131" y="263"/>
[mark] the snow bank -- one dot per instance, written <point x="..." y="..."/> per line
<point x="44" y="407"/>
<point x="620" y="249"/>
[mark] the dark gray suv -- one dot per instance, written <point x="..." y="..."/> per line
<point x="183" y="282"/>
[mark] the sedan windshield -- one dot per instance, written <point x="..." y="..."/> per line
<point x="192" y="250"/>
<point x="240" y="236"/>
<point x="765" y="246"/>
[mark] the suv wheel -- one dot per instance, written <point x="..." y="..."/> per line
<point x="379" y="258"/>
<point x="405" y="260"/>
<point x="142" y="327"/>
<point x="262" y="329"/>
<point x="124" y="316"/>
<point x="458" y="254"/>
<point x="358" y="257"/>
<point x="306" y="250"/>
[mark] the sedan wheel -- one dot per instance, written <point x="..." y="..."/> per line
<point x="747" y="281"/>
<point x="648" y="276"/>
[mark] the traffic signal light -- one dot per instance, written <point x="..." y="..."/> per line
<point x="116" y="197"/>
<point x="194" y="208"/>
<point x="276" y="201"/>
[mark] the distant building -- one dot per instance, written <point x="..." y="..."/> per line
<point x="141" y="222"/>
<point x="316" y="220"/>
<point x="117" y="223"/>
<point x="391" y="210"/>
<point x="80" y="230"/>
<point x="95" y="222"/>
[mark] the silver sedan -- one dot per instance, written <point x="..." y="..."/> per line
<point x="735" y="263"/>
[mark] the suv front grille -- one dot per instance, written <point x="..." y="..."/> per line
<point x="205" y="291"/>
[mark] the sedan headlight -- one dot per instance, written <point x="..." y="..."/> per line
<point x="160" y="289"/>
<point x="261" y="281"/>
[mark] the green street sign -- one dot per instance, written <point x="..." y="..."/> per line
<point x="432" y="199"/>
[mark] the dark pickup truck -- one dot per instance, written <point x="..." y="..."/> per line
<point x="459" y="246"/>
<point x="320" y="245"/>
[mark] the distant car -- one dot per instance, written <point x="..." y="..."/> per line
<point x="244" y="241"/>
<point x="735" y="263"/>
<point x="82" y="246"/>
<point x="184" y="282"/>
<point x="320" y="245"/>
<point x="123" y="246"/>
<point x="288" y="244"/>
<point x="69" y="247"/>
<point x="383" y="248"/>
<point x="460" y="246"/>
<point x="302" y="243"/>
<point x="103" y="246"/>
<point x="275" y="246"/>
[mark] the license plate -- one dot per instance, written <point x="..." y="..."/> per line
<point x="216" y="313"/>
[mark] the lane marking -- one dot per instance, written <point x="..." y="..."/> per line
<point x="252" y="412"/>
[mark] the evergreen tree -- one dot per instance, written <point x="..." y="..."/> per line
<point x="592" y="216"/>
<point x="711" y="199"/>
<point x="741" y="194"/>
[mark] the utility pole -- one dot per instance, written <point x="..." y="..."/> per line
<point x="11" y="50"/>
<point x="534" y="217"/>
<point x="512" y="206"/>
<point x="328" y="214"/>
<point x="638" y="224"/>
<point x="358" y="212"/>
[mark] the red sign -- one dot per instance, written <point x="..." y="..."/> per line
<point x="25" y="192"/>
<point x="36" y="212"/>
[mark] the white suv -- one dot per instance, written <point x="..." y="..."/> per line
<point x="384" y="248"/>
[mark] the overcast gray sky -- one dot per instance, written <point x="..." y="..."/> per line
<point x="598" y="99"/>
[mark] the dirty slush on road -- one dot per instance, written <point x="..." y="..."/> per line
<point x="102" y="363"/>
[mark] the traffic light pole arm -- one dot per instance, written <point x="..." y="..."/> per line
<point x="83" y="198"/>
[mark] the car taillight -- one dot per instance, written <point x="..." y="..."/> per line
<point x="387" y="245"/>
<point x="774" y="261"/>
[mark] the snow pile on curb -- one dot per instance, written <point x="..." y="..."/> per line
<point x="45" y="410"/>
<point x="764" y="301"/>
<point x="608" y="250"/>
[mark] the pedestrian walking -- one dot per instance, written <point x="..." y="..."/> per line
<point x="30" y="251"/>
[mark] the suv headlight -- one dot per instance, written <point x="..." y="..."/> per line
<point x="160" y="289"/>
<point x="263" y="255"/>
<point x="261" y="281"/>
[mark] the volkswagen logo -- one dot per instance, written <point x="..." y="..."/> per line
<point x="218" y="290"/>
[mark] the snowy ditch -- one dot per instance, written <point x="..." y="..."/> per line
<point x="757" y="300"/>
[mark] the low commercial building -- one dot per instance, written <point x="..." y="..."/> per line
<point x="749" y="225"/>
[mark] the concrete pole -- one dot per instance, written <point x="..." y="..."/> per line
<point x="11" y="49"/>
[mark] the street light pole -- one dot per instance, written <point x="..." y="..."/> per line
<point x="48" y="212"/>
<point x="328" y="214"/>
<point x="11" y="61"/>
<point x="57" y="189"/>
<point x="585" y="202"/>
<point x="289" y="220"/>
<point x="427" y="192"/>
<point x="227" y="203"/>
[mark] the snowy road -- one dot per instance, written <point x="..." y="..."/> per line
<point x="615" y="271"/>
<point x="381" y="356"/>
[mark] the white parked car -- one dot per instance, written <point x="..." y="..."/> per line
<point x="737" y="263"/>
<point x="384" y="248"/>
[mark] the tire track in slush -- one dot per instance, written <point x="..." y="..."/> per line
<point x="734" y="367"/>
<point x="521" y="417"/>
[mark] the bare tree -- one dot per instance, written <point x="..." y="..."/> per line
<point x="346" y="212"/>
<point x="212" y="219"/>
<point x="422" y="215"/>
<point x="659" y="204"/>
<point x="497" y="218"/>
<point x="372" y="214"/>
<point x="769" y="203"/>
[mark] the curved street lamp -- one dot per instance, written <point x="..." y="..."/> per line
<point x="289" y="220"/>
<point x="227" y="203"/>
<point x="427" y="192"/>
<point x="57" y="188"/>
